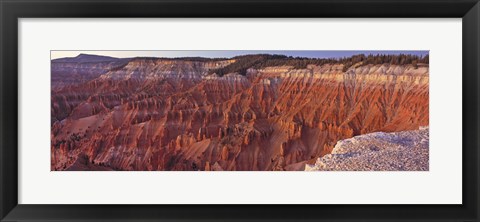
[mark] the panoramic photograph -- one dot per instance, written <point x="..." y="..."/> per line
<point x="239" y="110"/>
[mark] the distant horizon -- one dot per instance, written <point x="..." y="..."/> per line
<point x="212" y="54"/>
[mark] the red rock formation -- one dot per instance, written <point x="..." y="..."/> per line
<point x="80" y="69"/>
<point x="169" y="115"/>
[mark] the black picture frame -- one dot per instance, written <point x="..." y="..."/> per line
<point x="12" y="10"/>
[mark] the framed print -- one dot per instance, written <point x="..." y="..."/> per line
<point x="226" y="110"/>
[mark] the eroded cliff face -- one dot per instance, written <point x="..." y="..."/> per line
<point x="172" y="115"/>
<point x="70" y="71"/>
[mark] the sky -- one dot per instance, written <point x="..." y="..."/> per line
<point x="55" y="54"/>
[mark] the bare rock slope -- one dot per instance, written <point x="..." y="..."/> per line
<point x="398" y="151"/>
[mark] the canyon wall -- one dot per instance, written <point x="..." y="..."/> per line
<point x="154" y="114"/>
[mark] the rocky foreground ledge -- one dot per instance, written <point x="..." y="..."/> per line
<point x="398" y="151"/>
